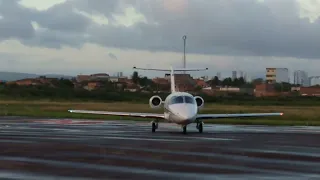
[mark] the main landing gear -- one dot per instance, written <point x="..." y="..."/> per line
<point x="200" y="126"/>
<point x="184" y="129"/>
<point x="154" y="126"/>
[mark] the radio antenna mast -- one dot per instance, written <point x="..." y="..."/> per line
<point x="184" y="52"/>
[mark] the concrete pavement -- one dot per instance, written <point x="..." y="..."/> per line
<point x="50" y="148"/>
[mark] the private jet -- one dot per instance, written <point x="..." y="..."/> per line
<point x="179" y="107"/>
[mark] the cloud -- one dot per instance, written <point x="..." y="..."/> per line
<point x="242" y="28"/>
<point x="222" y="35"/>
<point x="112" y="56"/>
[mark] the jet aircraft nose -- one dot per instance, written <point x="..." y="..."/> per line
<point x="184" y="111"/>
<point x="187" y="114"/>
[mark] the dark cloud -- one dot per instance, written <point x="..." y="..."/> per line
<point x="15" y="29"/>
<point x="61" y="17"/>
<point x="232" y="27"/>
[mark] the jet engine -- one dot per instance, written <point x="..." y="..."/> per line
<point x="199" y="100"/>
<point x="155" y="102"/>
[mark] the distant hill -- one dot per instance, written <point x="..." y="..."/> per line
<point x="13" y="76"/>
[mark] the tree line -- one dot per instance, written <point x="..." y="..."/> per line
<point x="64" y="89"/>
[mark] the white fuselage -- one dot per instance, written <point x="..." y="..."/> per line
<point x="180" y="108"/>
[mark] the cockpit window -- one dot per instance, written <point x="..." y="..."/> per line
<point x="182" y="99"/>
<point x="189" y="100"/>
<point x="177" y="100"/>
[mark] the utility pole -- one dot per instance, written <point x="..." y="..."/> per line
<point x="184" y="52"/>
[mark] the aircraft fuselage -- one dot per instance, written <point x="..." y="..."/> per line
<point x="180" y="108"/>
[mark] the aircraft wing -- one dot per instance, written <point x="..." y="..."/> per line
<point x="214" y="116"/>
<point x="142" y="115"/>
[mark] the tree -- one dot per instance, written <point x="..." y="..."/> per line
<point x="257" y="81"/>
<point x="283" y="87"/>
<point x="227" y="82"/>
<point x="145" y="81"/>
<point x="198" y="88"/>
<point x="242" y="81"/>
<point x="215" y="81"/>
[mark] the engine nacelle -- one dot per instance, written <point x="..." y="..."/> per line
<point x="155" y="102"/>
<point x="199" y="100"/>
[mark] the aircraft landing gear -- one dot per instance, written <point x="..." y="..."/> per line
<point x="154" y="126"/>
<point x="200" y="126"/>
<point x="184" y="129"/>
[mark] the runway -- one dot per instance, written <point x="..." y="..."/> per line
<point x="68" y="149"/>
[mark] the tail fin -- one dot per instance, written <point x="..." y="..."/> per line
<point x="171" y="70"/>
<point x="173" y="84"/>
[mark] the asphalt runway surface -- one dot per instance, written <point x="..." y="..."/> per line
<point x="66" y="149"/>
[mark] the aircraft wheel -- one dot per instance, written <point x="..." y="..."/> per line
<point x="200" y="127"/>
<point x="184" y="129"/>
<point x="154" y="127"/>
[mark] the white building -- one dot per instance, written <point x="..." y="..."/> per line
<point x="234" y="74"/>
<point x="301" y="78"/>
<point x="314" y="80"/>
<point x="241" y="74"/>
<point x="277" y="75"/>
<point x="219" y="75"/>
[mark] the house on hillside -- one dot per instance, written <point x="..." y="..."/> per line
<point x="92" y="77"/>
<point x="162" y="84"/>
<point x="201" y="83"/>
<point x="33" y="81"/>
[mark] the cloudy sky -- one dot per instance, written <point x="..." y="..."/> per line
<point x="89" y="36"/>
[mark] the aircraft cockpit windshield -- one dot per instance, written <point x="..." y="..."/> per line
<point x="182" y="99"/>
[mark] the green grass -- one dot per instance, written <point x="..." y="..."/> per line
<point x="293" y="115"/>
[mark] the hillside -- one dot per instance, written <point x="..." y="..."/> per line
<point x="13" y="76"/>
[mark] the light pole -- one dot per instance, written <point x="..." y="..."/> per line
<point x="184" y="52"/>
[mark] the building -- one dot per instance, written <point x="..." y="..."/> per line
<point x="219" y="75"/>
<point x="265" y="90"/>
<point x="314" y="80"/>
<point x="234" y="74"/>
<point x="310" y="91"/>
<point x="116" y="78"/>
<point x="301" y="78"/>
<point x="202" y="83"/>
<point x="245" y="76"/>
<point x="277" y="75"/>
<point x="307" y="91"/>
<point x="241" y="74"/>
